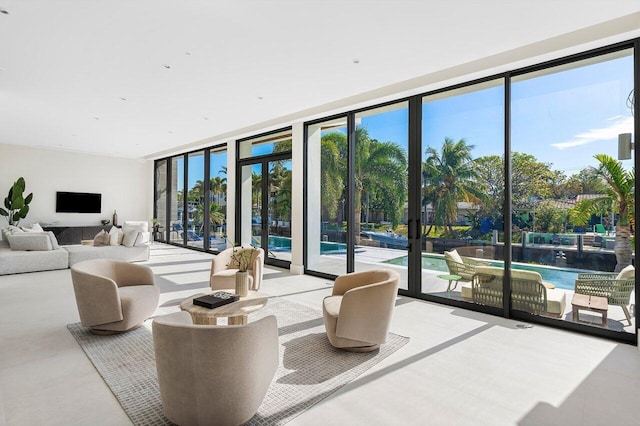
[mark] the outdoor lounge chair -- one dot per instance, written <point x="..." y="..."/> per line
<point x="462" y="266"/>
<point x="616" y="288"/>
<point x="528" y="292"/>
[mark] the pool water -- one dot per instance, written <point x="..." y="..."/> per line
<point x="562" y="278"/>
<point x="284" y="244"/>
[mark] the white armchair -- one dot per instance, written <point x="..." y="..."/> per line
<point x="223" y="269"/>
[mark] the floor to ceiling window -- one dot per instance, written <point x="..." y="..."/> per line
<point x="264" y="195"/>
<point x="380" y="197"/>
<point x="326" y="215"/>
<point x="195" y="200"/>
<point x="512" y="194"/>
<point x="218" y="198"/>
<point x="462" y="190"/>
<point x="572" y="197"/>
<point x="160" y="197"/>
<point x="176" y="206"/>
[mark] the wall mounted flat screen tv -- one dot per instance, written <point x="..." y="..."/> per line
<point x="78" y="202"/>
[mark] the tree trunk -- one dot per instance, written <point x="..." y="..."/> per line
<point x="622" y="247"/>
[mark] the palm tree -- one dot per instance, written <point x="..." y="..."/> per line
<point x="379" y="166"/>
<point x="449" y="176"/>
<point x="620" y="197"/>
<point x="218" y="188"/>
<point x="333" y="156"/>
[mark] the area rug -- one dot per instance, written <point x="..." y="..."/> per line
<point x="310" y="368"/>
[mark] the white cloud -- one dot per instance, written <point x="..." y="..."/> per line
<point x="620" y="124"/>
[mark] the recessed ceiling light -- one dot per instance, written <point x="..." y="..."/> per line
<point x="4" y="12"/>
<point x="356" y="61"/>
<point x="123" y="99"/>
<point x="74" y="135"/>
<point x="167" y="66"/>
<point x="206" y="118"/>
<point x="260" y="97"/>
<point x="170" y="132"/>
<point x="96" y="118"/>
<point x="187" y="53"/>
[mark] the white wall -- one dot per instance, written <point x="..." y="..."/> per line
<point x="125" y="184"/>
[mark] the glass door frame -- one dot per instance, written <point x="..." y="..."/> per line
<point x="264" y="161"/>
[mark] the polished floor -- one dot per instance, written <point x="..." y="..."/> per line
<point x="459" y="368"/>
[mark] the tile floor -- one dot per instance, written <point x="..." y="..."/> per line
<point x="460" y="367"/>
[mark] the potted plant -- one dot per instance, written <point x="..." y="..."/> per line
<point x="17" y="206"/>
<point x="241" y="258"/>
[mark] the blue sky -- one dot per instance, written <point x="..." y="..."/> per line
<point x="563" y="118"/>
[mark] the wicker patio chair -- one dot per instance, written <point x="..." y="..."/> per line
<point x="616" y="288"/>
<point x="528" y="294"/>
<point x="462" y="266"/>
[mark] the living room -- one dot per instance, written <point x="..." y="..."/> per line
<point x="130" y="97"/>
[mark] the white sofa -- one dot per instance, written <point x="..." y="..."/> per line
<point x="39" y="251"/>
<point x="126" y="254"/>
<point x="19" y="261"/>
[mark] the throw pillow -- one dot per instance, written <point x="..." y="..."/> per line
<point x="129" y="238"/>
<point x="139" y="239"/>
<point x="30" y="241"/>
<point x="54" y="240"/>
<point x="101" y="239"/>
<point x="34" y="228"/>
<point x="627" y="273"/>
<point x="454" y="255"/>
<point x="115" y="236"/>
<point x="14" y="229"/>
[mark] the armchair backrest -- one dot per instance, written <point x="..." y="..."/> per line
<point x="210" y="372"/>
<point x="528" y="294"/>
<point x="122" y="273"/>
<point x="367" y="304"/>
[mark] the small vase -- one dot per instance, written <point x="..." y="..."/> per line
<point x="242" y="283"/>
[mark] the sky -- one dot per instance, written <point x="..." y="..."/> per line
<point x="563" y="118"/>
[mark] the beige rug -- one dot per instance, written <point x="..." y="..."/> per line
<point x="310" y="368"/>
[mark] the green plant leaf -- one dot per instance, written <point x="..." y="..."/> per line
<point x="20" y="185"/>
<point x="29" y="198"/>
<point x="3" y="212"/>
<point x="23" y="211"/>
<point x="7" y="203"/>
<point x="16" y="217"/>
<point x="18" y="202"/>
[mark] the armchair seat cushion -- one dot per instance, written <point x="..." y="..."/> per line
<point x="332" y="305"/>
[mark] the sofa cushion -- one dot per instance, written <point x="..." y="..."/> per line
<point x="78" y="253"/>
<point x="101" y="239"/>
<point x="129" y="239"/>
<point x="115" y="236"/>
<point x="141" y="226"/>
<point x="31" y="241"/>
<point x="17" y="262"/>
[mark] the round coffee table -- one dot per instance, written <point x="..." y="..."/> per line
<point x="236" y="312"/>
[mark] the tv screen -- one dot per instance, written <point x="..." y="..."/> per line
<point x="78" y="202"/>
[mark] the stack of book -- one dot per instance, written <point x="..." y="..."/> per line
<point x="215" y="300"/>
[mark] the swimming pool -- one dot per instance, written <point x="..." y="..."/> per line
<point x="562" y="278"/>
<point x="326" y="247"/>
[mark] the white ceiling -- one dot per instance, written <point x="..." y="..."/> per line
<point x="67" y="66"/>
